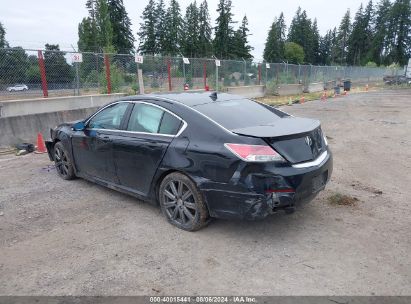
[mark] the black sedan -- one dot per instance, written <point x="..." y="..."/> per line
<point x="199" y="155"/>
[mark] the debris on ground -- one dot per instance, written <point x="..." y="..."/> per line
<point x="342" y="200"/>
<point x="21" y="152"/>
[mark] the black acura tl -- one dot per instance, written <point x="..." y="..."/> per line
<point x="199" y="155"/>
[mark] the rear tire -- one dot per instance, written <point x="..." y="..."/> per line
<point x="182" y="203"/>
<point x="62" y="162"/>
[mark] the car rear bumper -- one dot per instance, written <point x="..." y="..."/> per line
<point x="261" y="194"/>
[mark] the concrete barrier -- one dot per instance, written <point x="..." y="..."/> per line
<point x="315" y="87"/>
<point x="248" y="91"/>
<point x="12" y="108"/>
<point x="289" y="89"/>
<point x="19" y="129"/>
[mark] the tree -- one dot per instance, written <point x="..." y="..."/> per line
<point x="301" y="32"/>
<point x="223" y="30"/>
<point x="341" y="41"/>
<point x="122" y="39"/>
<point x="379" y="43"/>
<point x="359" y="43"/>
<point x="13" y="65"/>
<point x="95" y="31"/>
<point x="274" y="46"/>
<point x="104" y="27"/>
<point x="204" y="39"/>
<point x="294" y="53"/>
<point x="315" y="41"/>
<point x="241" y="48"/>
<point x="147" y="33"/>
<point x="174" y="29"/>
<point x="3" y="42"/>
<point x="400" y="32"/>
<point x="191" y="31"/>
<point x="160" y="26"/>
<point x="325" y="48"/>
<point x="57" y="68"/>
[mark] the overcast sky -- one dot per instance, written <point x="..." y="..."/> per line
<point x="31" y="24"/>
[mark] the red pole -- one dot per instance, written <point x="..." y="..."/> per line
<point x="205" y="75"/>
<point x="169" y="74"/>
<point x="42" y="68"/>
<point x="107" y="64"/>
<point x="259" y="74"/>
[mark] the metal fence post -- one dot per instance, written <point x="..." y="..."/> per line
<point x="216" y="77"/>
<point x="259" y="74"/>
<point x="205" y="75"/>
<point x="42" y="68"/>
<point x="107" y="64"/>
<point x="77" y="78"/>
<point x="169" y="74"/>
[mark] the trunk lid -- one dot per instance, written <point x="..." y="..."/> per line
<point x="296" y="139"/>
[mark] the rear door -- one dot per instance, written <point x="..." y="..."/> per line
<point x="138" y="150"/>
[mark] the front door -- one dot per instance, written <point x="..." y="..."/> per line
<point x="93" y="147"/>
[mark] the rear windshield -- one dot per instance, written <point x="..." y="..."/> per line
<point x="240" y="113"/>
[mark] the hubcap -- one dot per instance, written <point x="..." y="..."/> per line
<point x="179" y="203"/>
<point x="62" y="163"/>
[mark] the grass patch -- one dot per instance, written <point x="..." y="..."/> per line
<point x="339" y="199"/>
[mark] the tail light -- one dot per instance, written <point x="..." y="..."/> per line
<point x="255" y="153"/>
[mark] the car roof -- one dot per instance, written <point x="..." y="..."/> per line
<point x="191" y="99"/>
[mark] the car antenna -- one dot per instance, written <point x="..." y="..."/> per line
<point x="213" y="96"/>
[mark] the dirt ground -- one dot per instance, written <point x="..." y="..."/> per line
<point x="77" y="238"/>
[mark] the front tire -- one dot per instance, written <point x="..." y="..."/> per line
<point x="182" y="203"/>
<point x="62" y="162"/>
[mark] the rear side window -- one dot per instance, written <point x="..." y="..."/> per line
<point x="149" y="119"/>
<point x="237" y="114"/>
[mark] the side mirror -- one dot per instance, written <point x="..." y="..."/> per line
<point x="79" y="126"/>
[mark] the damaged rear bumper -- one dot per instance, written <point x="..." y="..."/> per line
<point x="258" y="195"/>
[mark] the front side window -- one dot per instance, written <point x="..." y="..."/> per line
<point x="110" y="117"/>
<point x="149" y="119"/>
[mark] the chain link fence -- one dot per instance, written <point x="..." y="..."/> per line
<point x="28" y="73"/>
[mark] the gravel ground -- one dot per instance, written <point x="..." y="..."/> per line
<point x="77" y="238"/>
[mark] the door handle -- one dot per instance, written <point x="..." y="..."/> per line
<point x="105" y="138"/>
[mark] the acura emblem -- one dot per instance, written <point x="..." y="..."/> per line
<point x="308" y="141"/>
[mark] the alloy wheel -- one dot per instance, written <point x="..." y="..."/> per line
<point x="62" y="162"/>
<point x="179" y="203"/>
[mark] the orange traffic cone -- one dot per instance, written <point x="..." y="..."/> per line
<point x="41" y="147"/>
<point x="302" y="99"/>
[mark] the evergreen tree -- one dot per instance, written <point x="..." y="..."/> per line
<point x="224" y="30"/>
<point x="241" y="48"/>
<point x="104" y="27"/>
<point x="315" y="41"/>
<point x="400" y="32"/>
<point x="301" y="33"/>
<point x="160" y="15"/>
<point x="123" y="39"/>
<point x="341" y="43"/>
<point x="380" y="41"/>
<point x="274" y="46"/>
<point x="3" y="42"/>
<point x="359" y="43"/>
<point x="325" y="48"/>
<point x="174" y="30"/>
<point x="95" y="31"/>
<point x="147" y="33"/>
<point x="191" y="31"/>
<point x="204" y="39"/>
